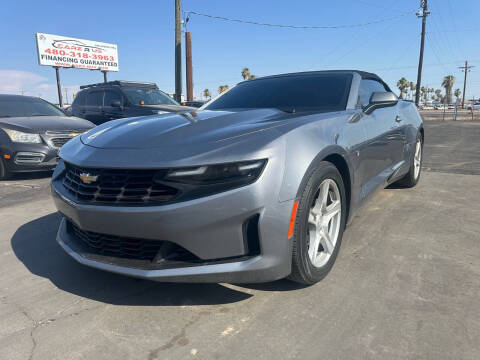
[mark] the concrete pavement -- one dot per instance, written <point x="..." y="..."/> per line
<point x="406" y="284"/>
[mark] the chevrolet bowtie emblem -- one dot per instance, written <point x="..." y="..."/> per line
<point x="87" y="178"/>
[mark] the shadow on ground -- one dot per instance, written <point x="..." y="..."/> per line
<point x="35" y="246"/>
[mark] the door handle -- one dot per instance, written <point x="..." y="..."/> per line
<point x="398" y="119"/>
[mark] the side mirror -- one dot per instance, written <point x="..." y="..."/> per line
<point x="379" y="100"/>
<point x="116" y="103"/>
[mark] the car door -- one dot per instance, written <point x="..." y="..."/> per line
<point x="110" y="112"/>
<point x="383" y="151"/>
<point x="93" y="106"/>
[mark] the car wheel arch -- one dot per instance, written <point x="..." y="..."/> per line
<point x="336" y="156"/>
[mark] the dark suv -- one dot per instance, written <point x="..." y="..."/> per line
<point x="119" y="99"/>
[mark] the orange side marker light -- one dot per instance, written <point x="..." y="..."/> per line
<point x="292" y="219"/>
<point x="6" y="156"/>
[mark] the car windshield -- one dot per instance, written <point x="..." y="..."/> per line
<point x="26" y="106"/>
<point x="303" y="92"/>
<point x="148" y="97"/>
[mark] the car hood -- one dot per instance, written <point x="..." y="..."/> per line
<point x="182" y="129"/>
<point x="39" y="124"/>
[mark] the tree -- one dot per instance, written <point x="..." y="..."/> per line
<point x="457" y="94"/>
<point x="222" y="88"/>
<point x="438" y="94"/>
<point x="424" y="93"/>
<point x="206" y="94"/>
<point x="402" y="85"/>
<point x="413" y="87"/>
<point x="252" y="77"/>
<point x="245" y="73"/>
<point x="447" y="83"/>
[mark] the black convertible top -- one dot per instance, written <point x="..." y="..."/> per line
<point x="363" y="74"/>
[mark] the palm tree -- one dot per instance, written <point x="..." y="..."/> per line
<point x="424" y="92"/>
<point x="457" y="94"/>
<point x="438" y="94"/>
<point x="252" y="77"/>
<point x="222" y="88"/>
<point x="206" y="94"/>
<point x="412" y="87"/>
<point x="245" y="73"/>
<point x="402" y="85"/>
<point x="447" y="83"/>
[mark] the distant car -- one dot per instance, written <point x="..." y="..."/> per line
<point x="103" y="102"/>
<point x="475" y="106"/>
<point x="31" y="132"/>
<point x="256" y="186"/>
<point x="195" y="103"/>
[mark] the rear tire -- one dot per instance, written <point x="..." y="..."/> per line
<point x="319" y="225"/>
<point x="413" y="176"/>
<point x="4" y="172"/>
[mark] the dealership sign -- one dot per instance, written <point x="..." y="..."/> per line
<point x="62" y="51"/>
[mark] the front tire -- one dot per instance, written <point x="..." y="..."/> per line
<point x="319" y="225"/>
<point x="4" y="173"/>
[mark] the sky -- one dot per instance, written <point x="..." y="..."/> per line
<point x="144" y="32"/>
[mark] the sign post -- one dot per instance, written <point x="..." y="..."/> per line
<point x="59" y="88"/>
<point x="62" y="51"/>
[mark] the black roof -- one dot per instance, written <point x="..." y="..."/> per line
<point x="122" y="83"/>
<point x="363" y="74"/>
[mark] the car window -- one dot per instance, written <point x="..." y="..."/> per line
<point x="80" y="98"/>
<point x="309" y="92"/>
<point x="26" y="106"/>
<point x="367" y="88"/>
<point x="95" y="98"/>
<point x="111" y="95"/>
<point x="146" y="96"/>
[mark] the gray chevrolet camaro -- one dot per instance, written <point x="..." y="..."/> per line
<point x="257" y="185"/>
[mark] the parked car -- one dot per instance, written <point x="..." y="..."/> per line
<point x="257" y="187"/>
<point x="31" y="133"/>
<point x="475" y="106"/>
<point x="111" y="100"/>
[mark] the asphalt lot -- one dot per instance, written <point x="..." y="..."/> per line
<point x="406" y="284"/>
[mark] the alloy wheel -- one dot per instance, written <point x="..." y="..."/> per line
<point x="324" y="220"/>
<point x="417" y="159"/>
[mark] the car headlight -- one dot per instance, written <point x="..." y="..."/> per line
<point x="21" y="137"/>
<point x="198" y="181"/>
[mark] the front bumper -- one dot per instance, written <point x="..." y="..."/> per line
<point x="20" y="157"/>
<point x="211" y="228"/>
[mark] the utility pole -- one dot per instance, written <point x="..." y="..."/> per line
<point x="59" y="88"/>
<point x="178" y="52"/>
<point x="188" y="60"/>
<point x="465" y="69"/>
<point x="423" y="14"/>
<point x="66" y="95"/>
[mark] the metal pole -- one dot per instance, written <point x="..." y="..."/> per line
<point x="178" y="52"/>
<point x="104" y="76"/>
<point x="59" y="88"/>
<point x="466" y="69"/>
<point x="425" y="13"/>
<point x="188" y="58"/>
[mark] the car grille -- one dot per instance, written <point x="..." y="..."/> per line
<point x="58" y="138"/>
<point x="115" y="246"/>
<point x="59" y="142"/>
<point x="117" y="186"/>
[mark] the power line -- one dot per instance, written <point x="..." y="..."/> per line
<point x="306" y="27"/>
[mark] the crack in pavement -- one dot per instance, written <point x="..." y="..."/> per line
<point x="179" y="339"/>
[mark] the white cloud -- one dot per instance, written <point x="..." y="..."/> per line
<point x="28" y="83"/>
